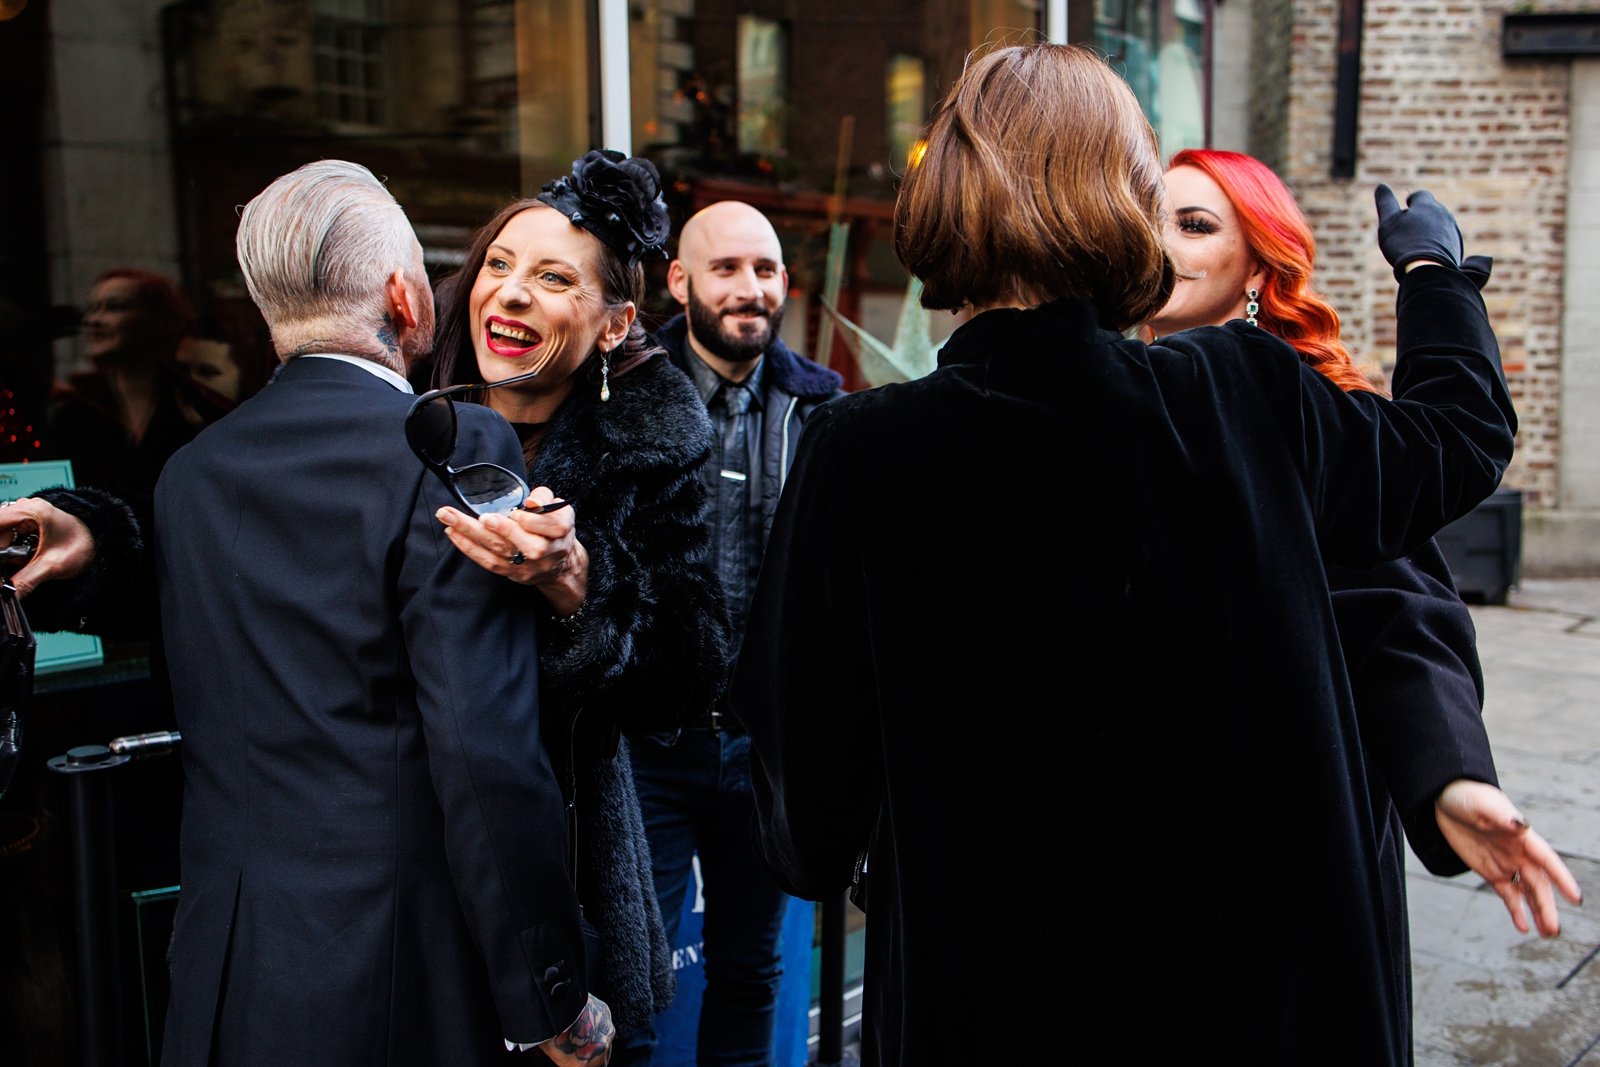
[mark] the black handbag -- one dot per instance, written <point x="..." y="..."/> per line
<point x="17" y="648"/>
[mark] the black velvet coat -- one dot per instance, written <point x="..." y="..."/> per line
<point x="1049" y="632"/>
<point x="649" y="651"/>
<point x="1411" y="652"/>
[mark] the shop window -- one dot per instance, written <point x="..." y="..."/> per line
<point x="906" y="93"/>
<point x="763" y="89"/>
<point x="1159" y="46"/>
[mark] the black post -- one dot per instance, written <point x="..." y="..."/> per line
<point x="1347" y="91"/>
<point x="830" y="1008"/>
<point x="94" y="893"/>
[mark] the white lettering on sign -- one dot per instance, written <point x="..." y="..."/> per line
<point x="688" y="955"/>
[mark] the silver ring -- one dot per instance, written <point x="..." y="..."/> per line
<point x="517" y="559"/>
<point x="1516" y="878"/>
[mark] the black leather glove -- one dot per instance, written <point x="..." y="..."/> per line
<point x="1477" y="268"/>
<point x="1423" y="229"/>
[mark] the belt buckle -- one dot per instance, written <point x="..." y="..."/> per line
<point x="717" y="720"/>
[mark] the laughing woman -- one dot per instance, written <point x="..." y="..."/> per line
<point x="634" y="633"/>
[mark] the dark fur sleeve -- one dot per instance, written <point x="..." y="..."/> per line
<point x="116" y="596"/>
<point x="650" y="649"/>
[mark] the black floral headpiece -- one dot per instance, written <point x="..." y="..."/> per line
<point x="618" y="199"/>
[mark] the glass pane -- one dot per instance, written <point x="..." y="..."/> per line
<point x="762" y="92"/>
<point x="809" y="118"/>
<point x="908" y="106"/>
<point x="1159" y="46"/>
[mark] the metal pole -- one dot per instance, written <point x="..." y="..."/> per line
<point x="616" y="102"/>
<point x="830" y="1008"/>
<point x="1055" y="21"/>
<point x="94" y="900"/>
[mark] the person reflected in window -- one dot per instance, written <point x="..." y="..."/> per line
<point x="119" y="421"/>
<point x="219" y="373"/>
<point x="633" y="632"/>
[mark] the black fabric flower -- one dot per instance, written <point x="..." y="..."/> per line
<point x="618" y="199"/>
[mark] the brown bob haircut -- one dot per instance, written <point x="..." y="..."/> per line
<point x="1040" y="182"/>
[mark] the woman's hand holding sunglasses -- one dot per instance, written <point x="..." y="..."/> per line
<point x="534" y="547"/>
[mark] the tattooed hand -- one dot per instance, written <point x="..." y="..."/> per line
<point x="587" y="1041"/>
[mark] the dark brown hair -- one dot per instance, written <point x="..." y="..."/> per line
<point x="1040" y="181"/>
<point x="454" y="362"/>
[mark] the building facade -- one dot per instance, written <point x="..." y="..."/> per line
<point x="1446" y="99"/>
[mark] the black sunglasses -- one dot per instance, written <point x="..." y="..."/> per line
<point x="480" y="488"/>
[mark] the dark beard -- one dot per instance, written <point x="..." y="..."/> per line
<point x="706" y="326"/>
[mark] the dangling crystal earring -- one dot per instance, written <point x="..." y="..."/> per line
<point x="1251" y="307"/>
<point x="605" y="375"/>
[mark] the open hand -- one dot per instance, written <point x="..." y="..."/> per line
<point x="1492" y="838"/>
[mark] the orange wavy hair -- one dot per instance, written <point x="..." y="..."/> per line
<point x="1281" y="239"/>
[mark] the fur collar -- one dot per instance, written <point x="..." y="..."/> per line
<point x="654" y="420"/>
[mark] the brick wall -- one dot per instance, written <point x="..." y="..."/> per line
<point x="1271" y="28"/>
<point x="1441" y="109"/>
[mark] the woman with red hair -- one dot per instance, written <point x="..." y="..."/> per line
<point x="1244" y="250"/>
<point x="1237" y="231"/>
<point x="119" y="421"/>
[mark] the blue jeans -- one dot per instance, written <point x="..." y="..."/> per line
<point x="695" y="796"/>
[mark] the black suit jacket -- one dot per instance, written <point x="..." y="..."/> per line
<point x="372" y="853"/>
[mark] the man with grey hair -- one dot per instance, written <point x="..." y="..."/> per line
<point x="373" y="853"/>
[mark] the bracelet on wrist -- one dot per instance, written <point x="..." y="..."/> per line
<point x="570" y="623"/>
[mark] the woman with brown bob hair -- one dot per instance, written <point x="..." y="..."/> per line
<point x="983" y="220"/>
<point x="1041" y="656"/>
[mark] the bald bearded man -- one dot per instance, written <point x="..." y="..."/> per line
<point x="694" y="788"/>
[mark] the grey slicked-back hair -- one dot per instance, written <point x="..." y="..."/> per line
<point x="318" y="245"/>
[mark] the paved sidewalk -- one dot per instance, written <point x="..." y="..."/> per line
<point x="1484" y="994"/>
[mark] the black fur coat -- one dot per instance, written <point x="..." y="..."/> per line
<point x="649" y="649"/>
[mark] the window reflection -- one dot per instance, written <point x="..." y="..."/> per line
<point x="1159" y="47"/>
<point x="352" y="61"/>
<point x="905" y="93"/>
<point x="762" y="92"/>
<point x="809" y="111"/>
